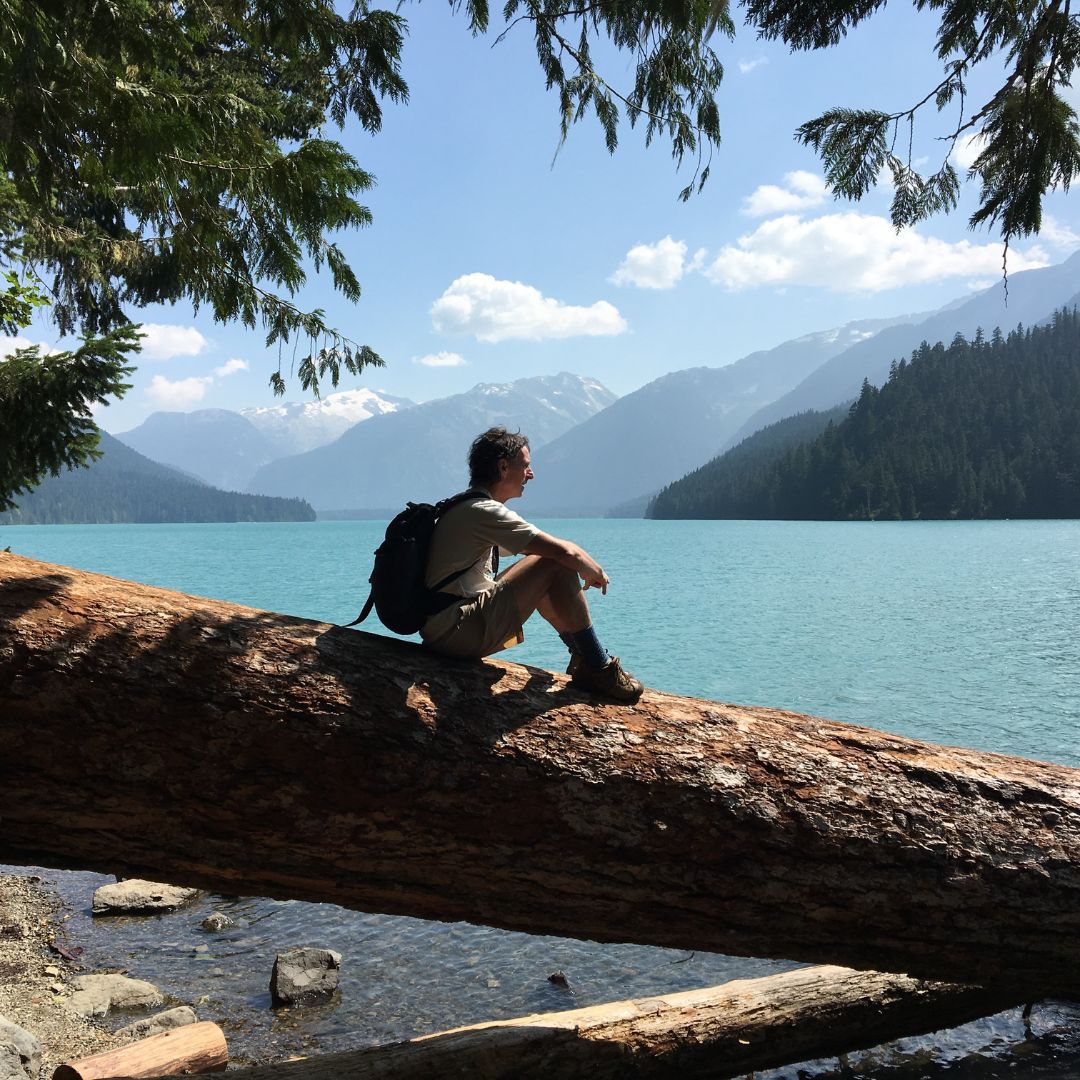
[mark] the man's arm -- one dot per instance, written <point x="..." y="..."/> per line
<point x="569" y="555"/>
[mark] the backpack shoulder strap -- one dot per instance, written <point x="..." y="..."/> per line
<point x="368" y="605"/>
<point x="441" y="508"/>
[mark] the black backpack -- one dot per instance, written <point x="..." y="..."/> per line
<point x="398" y="593"/>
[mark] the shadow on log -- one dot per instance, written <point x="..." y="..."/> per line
<point x="164" y="736"/>
<point x="722" y="1031"/>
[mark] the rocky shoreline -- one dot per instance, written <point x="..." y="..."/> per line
<point x="35" y="980"/>
<point x="50" y="1006"/>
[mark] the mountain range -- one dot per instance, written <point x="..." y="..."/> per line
<point x="226" y="448"/>
<point x="1028" y="297"/>
<point x="592" y="452"/>
<point x="421" y="453"/>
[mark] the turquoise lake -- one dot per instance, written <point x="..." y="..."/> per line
<point x="964" y="633"/>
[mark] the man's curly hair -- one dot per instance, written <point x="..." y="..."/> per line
<point x="495" y="445"/>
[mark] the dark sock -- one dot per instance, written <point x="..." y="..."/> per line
<point x="587" y="645"/>
<point x="568" y="641"/>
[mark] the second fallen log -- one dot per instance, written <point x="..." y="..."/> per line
<point x="185" y="1051"/>
<point x="708" y="1034"/>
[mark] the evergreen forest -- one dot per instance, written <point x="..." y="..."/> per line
<point x="124" y="486"/>
<point x="988" y="428"/>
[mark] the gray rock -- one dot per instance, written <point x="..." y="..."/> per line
<point x="136" y="896"/>
<point x="95" y="995"/>
<point x="20" y="1053"/>
<point x="303" y="975"/>
<point x="159" y="1022"/>
<point x="216" y="921"/>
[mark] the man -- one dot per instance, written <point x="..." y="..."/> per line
<point x="492" y="612"/>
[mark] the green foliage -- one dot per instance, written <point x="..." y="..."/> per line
<point x="154" y="151"/>
<point x="676" y="74"/>
<point x="124" y="486"/>
<point x="1030" y="133"/>
<point x="17" y="304"/>
<point x="45" y="407"/>
<point x="980" y="429"/>
<point x="728" y="486"/>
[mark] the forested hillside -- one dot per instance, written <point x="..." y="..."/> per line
<point x="983" y="429"/>
<point x="124" y="486"/>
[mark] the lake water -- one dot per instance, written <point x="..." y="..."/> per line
<point x="955" y="632"/>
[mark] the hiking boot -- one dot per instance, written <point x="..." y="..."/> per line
<point x="609" y="681"/>
<point x="575" y="663"/>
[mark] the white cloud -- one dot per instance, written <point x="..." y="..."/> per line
<point x="440" y="359"/>
<point x="968" y="149"/>
<point x="493" y="310"/>
<point x="230" y="367"/>
<point x="1058" y="233"/>
<point x="746" y="66"/>
<point x="801" y="190"/>
<point x="652" y="266"/>
<point x="854" y="252"/>
<point x="163" y="341"/>
<point x="178" y="394"/>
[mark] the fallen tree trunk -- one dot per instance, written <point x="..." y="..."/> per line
<point x="173" y="738"/>
<point x="721" y="1031"/>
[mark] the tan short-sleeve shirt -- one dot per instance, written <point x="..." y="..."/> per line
<point x="464" y="537"/>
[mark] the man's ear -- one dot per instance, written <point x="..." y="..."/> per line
<point x="504" y="467"/>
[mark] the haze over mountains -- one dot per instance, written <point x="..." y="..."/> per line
<point x="226" y="448"/>
<point x="420" y="453"/>
<point x="1031" y="297"/>
<point x="591" y="451"/>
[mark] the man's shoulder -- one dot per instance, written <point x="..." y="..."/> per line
<point x="487" y="509"/>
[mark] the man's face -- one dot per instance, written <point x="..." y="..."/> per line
<point x="515" y="474"/>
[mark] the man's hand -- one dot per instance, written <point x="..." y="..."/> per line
<point x="593" y="576"/>
<point x="570" y="555"/>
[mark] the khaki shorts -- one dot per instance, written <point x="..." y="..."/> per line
<point x="485" y="624"/>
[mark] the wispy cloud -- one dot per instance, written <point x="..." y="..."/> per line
<point x="800" y="191"/>
<point x="231" y="367"/>
<point x="854" y="253"/>
<point x="164" y="341"/>
<point x="746" y="66"/>
<point x="440" y="359"/>
<point x="1058" y="233"/>
<point x="178" y="394"/>
<point x="492" y="310"/>
<point x="968" y="149"/>
<point x="652" y="266"/>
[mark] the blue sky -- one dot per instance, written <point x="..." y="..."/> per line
<point x="495" y="254"/>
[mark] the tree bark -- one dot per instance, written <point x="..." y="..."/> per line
<point x="722" y="1031"/>
<point x="173" y="738"/>
<point x="195" y="1048"/>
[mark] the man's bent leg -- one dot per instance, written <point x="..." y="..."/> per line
<point x="543" y="585"/>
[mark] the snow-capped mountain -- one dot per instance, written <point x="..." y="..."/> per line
<point x="420" y="453"/>
<point x="297" y="426"/>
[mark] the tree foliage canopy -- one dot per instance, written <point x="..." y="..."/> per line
<point x="46" y="422"/>
<point x="154" y="150"/>
<point x="1029" y="135"/>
